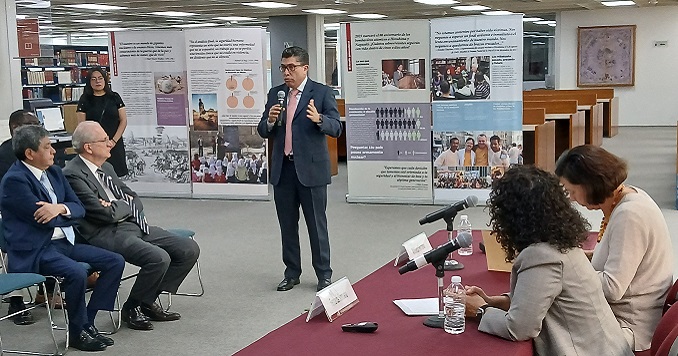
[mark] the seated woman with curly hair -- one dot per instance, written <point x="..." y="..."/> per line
<point x="556" y="298"/>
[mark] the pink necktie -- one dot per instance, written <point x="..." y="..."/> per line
<point x="291" y="108"/>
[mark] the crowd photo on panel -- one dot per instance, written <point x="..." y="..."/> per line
<point x="565" y="299"/>
<point x="470" y="160"/>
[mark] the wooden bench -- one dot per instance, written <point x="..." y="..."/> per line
<point x="569" y="122"/>
<point x="586" y="102"/>
<point x="539" y="139"/>
<point x="610" y="108"/>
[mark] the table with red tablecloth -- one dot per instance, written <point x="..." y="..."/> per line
<point x="398" y="334"/>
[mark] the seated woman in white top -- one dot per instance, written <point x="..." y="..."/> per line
<point x="634" y="257"/>
<point x="555" y="298"/>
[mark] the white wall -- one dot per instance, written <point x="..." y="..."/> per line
<point x="652" y="101"/>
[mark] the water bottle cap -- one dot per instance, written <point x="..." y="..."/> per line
<point x="456" y="279"/>
<point x="464" y="217"/>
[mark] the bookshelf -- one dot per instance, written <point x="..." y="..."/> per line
<point x="61" y="78"/>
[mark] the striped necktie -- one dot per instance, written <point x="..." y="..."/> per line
<point x="139" y="217"/>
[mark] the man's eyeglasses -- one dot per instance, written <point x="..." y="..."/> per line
<point x="103" y="140"/>
<point x="290" y="67"/>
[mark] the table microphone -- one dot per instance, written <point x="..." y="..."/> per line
<point x="464" y="239"/>
<point x="281" y="101"/>
<point x="470" y="201"/>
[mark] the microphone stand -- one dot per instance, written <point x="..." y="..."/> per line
<point x="437" y="321"/>
<point x="442" y="265"/>
<point x="450" y="263"/>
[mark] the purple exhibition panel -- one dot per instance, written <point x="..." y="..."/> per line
<point x="171" y="109"/>
<point x="389" y="132"/>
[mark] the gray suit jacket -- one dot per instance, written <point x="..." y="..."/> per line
<point x="99" y="220"/>
<point x="557" y="300"/>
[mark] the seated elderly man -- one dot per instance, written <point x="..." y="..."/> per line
<point x="39" y="210"/>
<point x="115" y="220"/>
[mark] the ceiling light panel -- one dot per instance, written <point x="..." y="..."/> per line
<point x="173" y="13"/>
<point x="437" y="2"/>
<point x="470" y="7"/>
<point x="368" y="16"/>
<point x="269" y="4"/>
<point x="325" y="11"/>
<point x="96" y="7"/>
<point x="97" y="21"/>
<point x="235" y="18"/>
<point x="618" y="3"/>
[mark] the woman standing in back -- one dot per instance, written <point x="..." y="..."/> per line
<point x="99" y="103"/>
<point x="633" y="257"/>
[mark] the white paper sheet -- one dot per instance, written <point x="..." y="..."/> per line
<point x="425" y="306"/>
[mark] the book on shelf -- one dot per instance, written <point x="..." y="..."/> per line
<point x="67" y="57"/>
<point x="92" y="59"/>
<point x="103" y="59"/>
<point x="64" y="77"/>
<point x="49" y="77"/>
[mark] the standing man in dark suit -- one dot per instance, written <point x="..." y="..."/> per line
<point x="39" y="210"/>
<point x="114" y="220"/>
<point x="300" y="168"/>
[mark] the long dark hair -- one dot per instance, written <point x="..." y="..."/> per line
<point x="89" y="91"/>
<point x="528" y="205"/>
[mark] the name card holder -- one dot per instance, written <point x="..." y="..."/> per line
<point x="413" y="248"/>
<point x="335" y="300"/>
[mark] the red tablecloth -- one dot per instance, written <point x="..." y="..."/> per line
<point x="398" y="334"/>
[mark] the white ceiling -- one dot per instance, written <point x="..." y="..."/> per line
<point x="137" y="13"/>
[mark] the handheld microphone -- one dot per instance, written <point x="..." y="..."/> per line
<point x="470" y="201"/>
<point x="281" y="101"/>
<point x="464" y="239"/>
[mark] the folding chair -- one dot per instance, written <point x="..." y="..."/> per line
<point x="10" y="282"/>
<point x="190" y="234"/>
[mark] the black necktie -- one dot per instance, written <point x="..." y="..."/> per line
<point x="139" y="217"/>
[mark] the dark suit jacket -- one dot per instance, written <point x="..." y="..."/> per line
<point x="26" y="238"/>
<point x="7" y="157"/>
<point x="309" y="144"/>
<point x="99" y="220"/>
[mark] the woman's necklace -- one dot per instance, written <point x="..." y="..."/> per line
<point x="615" y="200"/>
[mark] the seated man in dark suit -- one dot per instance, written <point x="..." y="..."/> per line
<point x="7" y="158"/>
<point x="114" y="220"/>
<point x="39" y="210"/>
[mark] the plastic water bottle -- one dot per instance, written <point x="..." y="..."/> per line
<point x="455" y="307"/>
<point x="465" y="226"/>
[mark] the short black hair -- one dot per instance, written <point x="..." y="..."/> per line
<point x="444" y="87"/>
<point x="26" y="137"/>
<point x="294" y="51"/>
<point x="527" y="206"/>
<point x="495" y="137"/>
<point x="16" y="116"/>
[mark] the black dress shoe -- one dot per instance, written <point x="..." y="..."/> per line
<point x="85" y="342"/>
<point x="25" y="318"/>
<point x="323" y="283"/>
<point x="136" y="319"/>
<point x="94" y="332"/>
<point x="156" y="313"/>
<point x="287" y="284"/>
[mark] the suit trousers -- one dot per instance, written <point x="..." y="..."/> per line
<point x="164" y="258"/>
<point x="60" y="259"/>
<point x="289" y="194"/>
